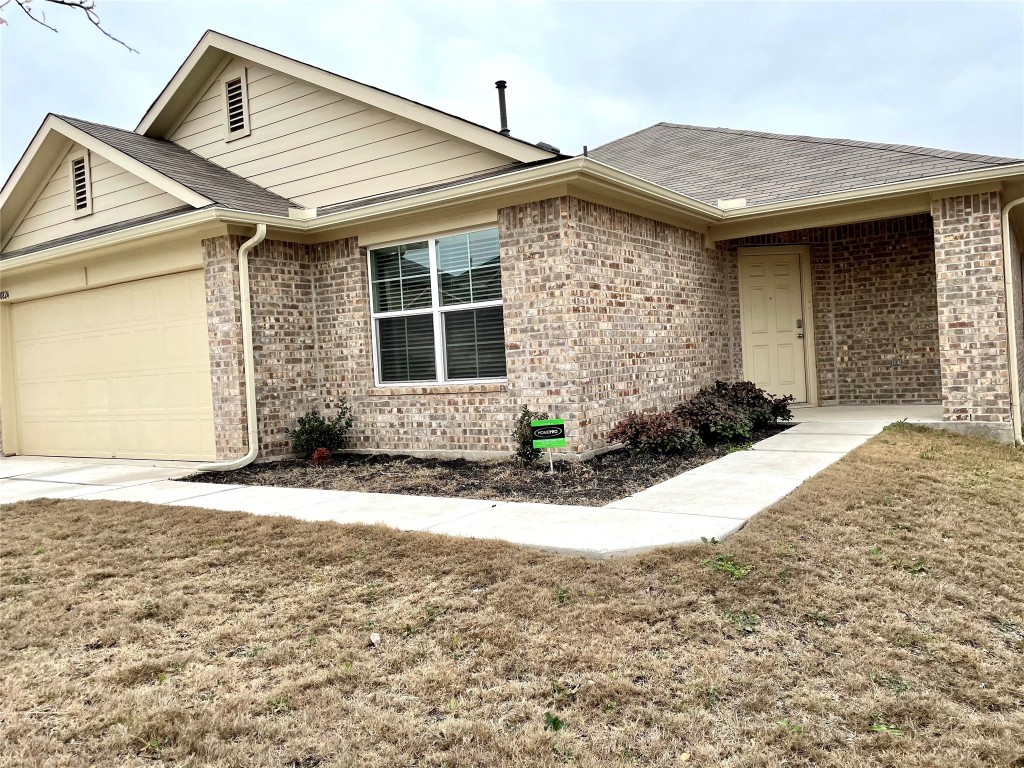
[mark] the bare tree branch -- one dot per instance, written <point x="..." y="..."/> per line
<point x="23" y="4"/>
<point x="88" y="7"/>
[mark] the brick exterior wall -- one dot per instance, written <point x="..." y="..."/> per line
<point x="973" y="329"/>
<point x="874" y="299"/>
<point x="464" y="418"/>
<point x="284" y="342"/>
<point x="224" y="321"/>
<point x="653" y="315"/>
<point x="605" y="312"/>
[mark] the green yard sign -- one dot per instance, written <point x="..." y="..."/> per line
<point x="548" y="433"/>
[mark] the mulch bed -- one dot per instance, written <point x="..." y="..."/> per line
<point x="596" y="482"/>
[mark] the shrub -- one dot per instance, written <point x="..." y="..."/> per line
<point x="714" y="416"/>
<point x="321" y="457"/>
<point x="762" y="409"/>
<point x="656" y="433"/>
<point x="731" y="412"/>
<point x="314" y="431"/>
<point x="523" y="437"/>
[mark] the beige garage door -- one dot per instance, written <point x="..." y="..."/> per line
<point x="121" y="371"/>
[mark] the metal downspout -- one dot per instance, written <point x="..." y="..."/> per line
<point x="1011" y="319"/>
<point x="247" y="357"/>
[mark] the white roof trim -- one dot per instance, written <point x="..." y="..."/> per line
<point x="397" y="105"/>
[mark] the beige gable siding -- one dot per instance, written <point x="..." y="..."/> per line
<point x="117" y="195"/>
<point x="317" y="147"/>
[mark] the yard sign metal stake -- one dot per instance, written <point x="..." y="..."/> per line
<point x="548" y="433"/>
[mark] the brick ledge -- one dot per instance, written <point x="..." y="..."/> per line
<point x="439" y="389"/>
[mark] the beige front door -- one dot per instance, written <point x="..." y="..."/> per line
<point x="772" y="323"/>
<point x="121" y="371"/>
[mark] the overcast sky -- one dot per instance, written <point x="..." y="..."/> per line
<point x="947" y="75"/>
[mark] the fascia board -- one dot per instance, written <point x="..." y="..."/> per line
<point x="25" y="160"/>
<point x="881" y="191"/>
<point x="47" y="149"/>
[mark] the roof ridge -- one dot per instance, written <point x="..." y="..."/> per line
<point x="906" y="149"/>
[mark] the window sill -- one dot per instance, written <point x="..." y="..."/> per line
<point x="438" y="389"/>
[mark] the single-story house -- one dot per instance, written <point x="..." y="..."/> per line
<point x="273" y="237"/>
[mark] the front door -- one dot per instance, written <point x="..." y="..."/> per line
<point x="772" y="323"/>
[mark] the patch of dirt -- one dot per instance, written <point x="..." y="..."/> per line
<point x="599" y="481"/>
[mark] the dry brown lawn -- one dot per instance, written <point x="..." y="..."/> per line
<point x="881" y="623"/>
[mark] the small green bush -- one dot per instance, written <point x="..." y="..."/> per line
<point x="314" y="431"/>
<point x="656" y="433"/>
<point x="523" y="438"/>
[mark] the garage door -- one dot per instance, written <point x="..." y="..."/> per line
<point x="121" y="371"/>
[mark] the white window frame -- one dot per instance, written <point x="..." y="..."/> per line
<point x="82" y="155"/>
<point x="435" y="309"/>
<point x="236" y="73"/>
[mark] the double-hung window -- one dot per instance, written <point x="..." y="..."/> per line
<point x="436" y="307"/>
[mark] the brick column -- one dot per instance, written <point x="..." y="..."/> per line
<point x="973" y="335"/>
<point x="224" y="322"/>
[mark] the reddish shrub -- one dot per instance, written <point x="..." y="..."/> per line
<point x="321" y="457"/>
<point x="656" y="433"/>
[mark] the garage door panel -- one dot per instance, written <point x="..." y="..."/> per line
<point x="120" y="371"/>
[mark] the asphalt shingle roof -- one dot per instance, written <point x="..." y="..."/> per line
<point x="224" y="188"/>
<point x="709" y="164"/>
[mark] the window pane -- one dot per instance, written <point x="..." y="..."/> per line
<point x="406" y="348"/>
<point x="474" y="344"/>
<point x="468" y="269"/>
<point x="401" y="277"/>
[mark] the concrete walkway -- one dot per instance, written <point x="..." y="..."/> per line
<point x="713" y="500"/>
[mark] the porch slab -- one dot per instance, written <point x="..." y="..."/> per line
<point x="885" y="414"/>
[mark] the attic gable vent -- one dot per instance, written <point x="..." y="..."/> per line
<point x="236" y="107"/>
<point x="81" y="194"/>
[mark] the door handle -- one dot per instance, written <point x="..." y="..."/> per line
<point x="799" y="335"/>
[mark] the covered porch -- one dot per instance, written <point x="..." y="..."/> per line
<point x="885" y="319"/>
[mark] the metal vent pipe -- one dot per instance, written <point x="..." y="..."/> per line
<point x="500" y="85"/>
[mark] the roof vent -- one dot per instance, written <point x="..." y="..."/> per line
<point x="236" y="105"/>
<point x="731" y="203"/>
<point x="547" y="147"/>
<point x="78" y="182"/>
<point x="81" y="194"/>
